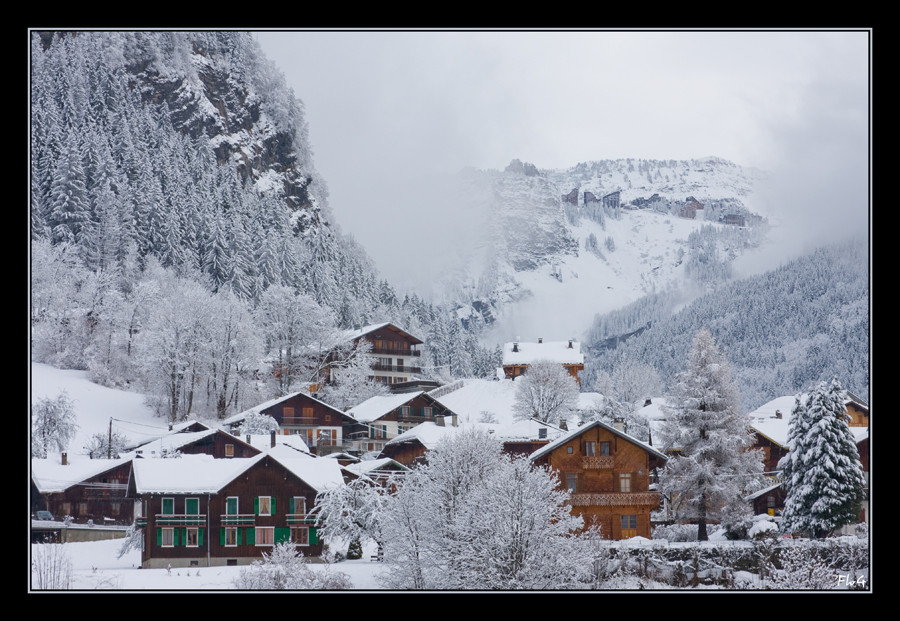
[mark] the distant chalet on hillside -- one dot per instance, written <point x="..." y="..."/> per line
<point x="518" y="355"/>
<point x="396" y="350"/>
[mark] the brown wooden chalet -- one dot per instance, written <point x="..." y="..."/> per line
<point x="83" y="489"/>
<point x="319" y="425"/>
<point x="215" y="442"/>
<point x="608" y="476"/>
<point x="382" y="418"/>
<point x="396" y="352"/>
<point x="518" y="355"/>
<point x="200" y="511"/>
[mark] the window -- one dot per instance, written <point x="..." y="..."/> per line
<point x="570" y="450"/>
<point x="168" y="506"/>
<point x="192" y="506"/>
<point x="231" y="536"/>
<point x="404" y="410"/>
<point x="590" y="449"/>
<point x="264" y="505"/>
<point x="572" y="483"/>
<point x="192" y="537"/>
<point x="625" y="482"/>
<point x="298" y="505"/>
<point x="168" y="538"/>
<point x="265" y="535"/>
<point x="604" y="449"/>
<point x="300" y="535"/>
<point x="308" y="413"/>
<point x="231" y="505"/>
<point x="428" y="412"/>
<point x="629" y="522"/>
<point x="229" y="450"/>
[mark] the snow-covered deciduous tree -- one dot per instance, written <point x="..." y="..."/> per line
<point x="105" y="445"/>
<point x="53" y="424"/>
<point x="51" y="567"/>
<point x="821" y="473"/>
<point x="473" y="517"/>
<point x="715" y="466"/>
<point x="258" y="424"/>
<point x="351" y="512"/>
<point x="546" y="392"/>
<point x="351" y="377"/>
<point x="284" y="568"/>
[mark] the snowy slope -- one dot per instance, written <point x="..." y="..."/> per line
<point x="527" y="268"/>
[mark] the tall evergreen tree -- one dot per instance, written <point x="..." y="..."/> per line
<point x="715" y="467"/>
<point x="822" y="473"/>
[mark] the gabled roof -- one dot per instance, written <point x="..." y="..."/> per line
<point x="371" y="466"/>
<point x="375" y="407"/>
<point x="176" y="441"/>
<point x="257" y="409"/>
<point x="548" y="448"/>
<point x="554" y="351"/>
<point x="428" y="434"/>
<point x="352" y="335"/>
<point x="49" y="475"/>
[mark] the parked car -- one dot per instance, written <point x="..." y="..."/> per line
<point x="44" y="515"/>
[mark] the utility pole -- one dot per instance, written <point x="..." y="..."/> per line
<point x="109" y="441"/>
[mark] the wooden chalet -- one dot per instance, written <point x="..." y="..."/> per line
<point x="319" y="425"/>
<point x="396" y="352"/>
<point x="608" y="476"/>
<point x="197" y="511"/>
<point x="517" y="355"/>
<point x="379" y="419"/>
<point x="215" y="442"/>
<point x="85" y="490"/>
<point x="409" y="447"/>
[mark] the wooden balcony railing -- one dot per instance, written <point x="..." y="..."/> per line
<point x="616" y="499"/>
<point x="238" y="519"/>
<point x="395" y="352"/>
<point x="300" y="518"/>
<point x="597" y="462"/>
<point x="399" y="368"/>
<point x="180" y="519"/>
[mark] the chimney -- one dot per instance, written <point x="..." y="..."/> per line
<point x="572" y="340"/>
<point x="778" y="414"/>
<point x="65" y="459"/>
<point x="439" y="421"/>
<point x="236" y="432"/>
<point x="170" y="426"/>
<point x="454" y="421"/>
<point x="516" y="345"/>
<point x="648" y="402"/>
<point x="562" y="424"/>
<point x="542" y="433"/>
<point x="248" y="438"/>
<point x="540" y="339"/>
<point x="619" y="425"/>
<point x="272" y="436"/>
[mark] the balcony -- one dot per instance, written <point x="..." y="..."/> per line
<point x="395" y="352"/>
<point x="294" y="519"/>
<point x="238" y="519"/>
<point x="398" y="368"/>
<point x="180" y="519"/>
<point x="650" y="499"/>
<point x="597" y="462"/>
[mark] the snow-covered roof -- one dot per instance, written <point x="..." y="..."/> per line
<point x="372" y="465"/>
<point x="375" y="407"/>
<point x="319" y="473"/>
<point x="351" y="335"/>
<point x="171" y="442"/>
<point x="188" y="473"/>
<point x="427" y="433"/>
<point x="563" y="352"/>
<point x="764" y="421"/>
<point x="257" y="409"/>
<point x="475" y="396"/>
<point x="529" y="429"/>
<point x="49" y="475"/>
<point x="579" y="430"/>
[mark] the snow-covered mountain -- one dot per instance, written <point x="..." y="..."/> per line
<point x="547" y="252"/>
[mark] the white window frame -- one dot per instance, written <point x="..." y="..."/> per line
<point x="264" y="529"/>
<point x="237" y="505"/>
<point x="168" y="541"/>
<point x="268" y="500"/>
<point x="187" y="537"/>
<point x="298" y="541"/>
<point x="233" y="530"/>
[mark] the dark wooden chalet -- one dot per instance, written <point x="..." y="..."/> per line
<point x="379" y="419"/>
<point x="395" y="350"/>
<point x="199" y="511"/>
<point x="608" y="475"/>
<point x="82" y="489"/>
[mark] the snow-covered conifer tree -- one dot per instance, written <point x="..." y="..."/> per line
<point x="822" y="473"/>
<point x="715" y="466"/>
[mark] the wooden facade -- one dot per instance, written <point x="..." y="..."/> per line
<point x="395" y="350"/>
<point x="608" y="476"/>
<point x="317" y="423"/>
<point x="374" y="428"/>
<point x="100" y="498"/>
<point x="233" y="525"/>
<point x="518" y="355"/>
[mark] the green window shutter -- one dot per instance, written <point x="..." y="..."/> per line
<point x="221" y="536"/>
<point x="231" y="506"/>
<point x="256" y="506"/>
<point x="192" y="506"/>
<point x="272" y="500"/>
<point x="251" y="536"/>
<point x="313" y="536"/>
<point x="200" y="536"/>
<point x="282" y="534"/>
<point x="159" y="536"/>
<point x="292" y="505"/>
<point x="168" y="506"/>
<point x="240" y="539"/>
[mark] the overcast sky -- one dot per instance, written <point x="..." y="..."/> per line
<point x="389" y="110"/>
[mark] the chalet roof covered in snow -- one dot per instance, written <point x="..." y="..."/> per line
<point x="370" y="466"/>
<point x="49" y="475"/>
<point x="429" y="434"/>
<point x="563" y="352"/>
<point x="379" y="405"/>
<point x="579" y="430"/>
<point x="257" y="409"/>
<point x="474" y="396"/>
<point x="352" y="335"/>
<point x="764" y="421"/>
